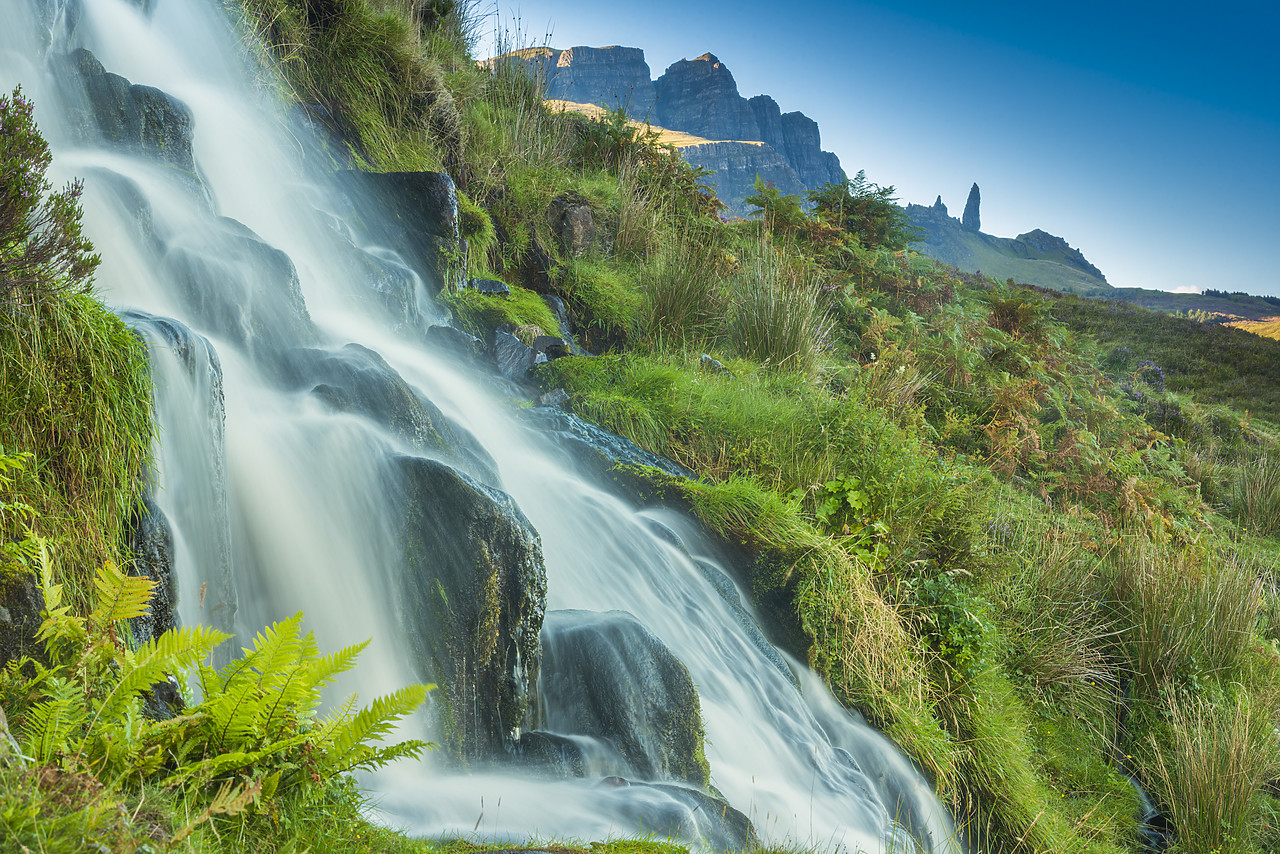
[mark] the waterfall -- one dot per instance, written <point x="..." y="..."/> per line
<point x="309" y="432"/>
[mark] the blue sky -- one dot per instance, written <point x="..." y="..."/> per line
<point x="1147" y="135"/>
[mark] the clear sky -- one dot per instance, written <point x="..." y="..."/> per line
<point x="1145" y="134"/>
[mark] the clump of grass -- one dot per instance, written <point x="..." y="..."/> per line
<point x="684" y="301"/>
<point x="1210" y="768"/>
<point x="75" y="392"/>
<point x="604" y="297"/>
<point x="775" y="317"/>
<point x="1255" y="496"/>
<point x="1179" y="617"/>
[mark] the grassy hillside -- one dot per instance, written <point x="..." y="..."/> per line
<point x="1226" y="305"/>
<point x="1039" y="566"/>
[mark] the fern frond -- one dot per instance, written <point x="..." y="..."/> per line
<point x="175" y="651"/>
<point x="120" y="597"/>
<point x="50" y="724"/>
<point x="345" y="748"/>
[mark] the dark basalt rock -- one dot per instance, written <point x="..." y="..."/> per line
<point x="574" y="224"/>
<point x="613" y="679"/>
<point x="474" y="597"/>
<point x="735" y="167"/>
<point x="21" y="607"/>
<point x="513" y="357"/>
<point x="151" y="545"/>
<point x="461" y="344"/>
<point x="494" y="287"/>
<point x="239" y="287"/>
<point x="358" y="380"/>
<point x="136" y="118"/>
<point x="416" y="213"/>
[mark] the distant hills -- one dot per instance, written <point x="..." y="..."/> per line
<point x="1034" y="258"/>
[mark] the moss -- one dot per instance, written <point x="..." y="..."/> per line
<point x="476" y="228"/>
<point x="604" y="297"/>
<point x="479" y="314"/>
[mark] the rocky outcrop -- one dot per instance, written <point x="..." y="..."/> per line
<point x="971" y="219"/>
<point x="21" y="607"/>
<point x="474" y="595"/>
<point x="151" y="549"/>
<point x="1035" y="258"/>
<point x="735" y="166"/>
<point x="416" y="214"/>
<point x="136" y="118"/>
<point x="699" y="96"/>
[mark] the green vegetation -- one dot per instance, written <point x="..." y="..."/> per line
<point x="1033" y="538"/>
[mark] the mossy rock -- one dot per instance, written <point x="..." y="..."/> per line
<point x="481" y="313"/>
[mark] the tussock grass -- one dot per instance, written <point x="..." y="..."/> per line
<point x="75" y="392"/>
<point x="683" y="293"/>
<point x="1210" y="768"/>
<point x="775" y="317"/>
<point x="1255" y="496"/>
<point x="1180" y="617"/>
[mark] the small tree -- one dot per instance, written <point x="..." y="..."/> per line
<point x="42" y="249"/>
<point x="867" y="211"/>
<point x="781" y="213"/>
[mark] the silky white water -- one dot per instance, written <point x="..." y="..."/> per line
<point x="284" y="508"/>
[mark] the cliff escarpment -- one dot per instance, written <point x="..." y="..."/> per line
<point x="698" y="97"/>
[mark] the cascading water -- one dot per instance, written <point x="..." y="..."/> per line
<point x="265" y="313"/>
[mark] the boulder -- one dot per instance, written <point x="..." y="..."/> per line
<point x="493" y="287"/>
<point x="513" y="357"/>
<point x="609" y="677"/>
<point x="474" y="596"/>
<point x="456" y="342"/>
<point x="238" y="287"/>
<point x="135" y="118"/>
<point x="358" y="380"/>
<point x="416" y="214"/>
<point x="21" y="613"/>
<point x="574" y="224"/>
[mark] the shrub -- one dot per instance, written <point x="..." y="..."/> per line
<point x="42" y="249"/>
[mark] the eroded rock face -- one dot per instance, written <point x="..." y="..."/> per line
<point x="972" y="219"/>
<point x="151" y="545"/>
<point x="611" y="77"/>
<point x="735" y="166"/>
<point x="613" y="679"/>
<point x="699" y="96"/>
<point x="475" y="592"/>
<point x="136" y="118"/>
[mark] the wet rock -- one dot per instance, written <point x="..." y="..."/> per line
<point x="239" y="287"/>
<point x="21" y="607"/>
<point x="416" y="213"/>
<point x="553" y="346"/>
<point x="514" y="358"/>
<point x="455" y="341"/>
<point x="474" y="597"/>
<point x="355" y="379"/>
<point x="151" y="546"/>
<point x="709" y="819"/>
<point x="133" y="117"/>
<point x="555" y="397"/>
<point x="609" y="677"/>
<point x="490" y="286"/>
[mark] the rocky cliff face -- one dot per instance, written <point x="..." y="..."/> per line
<point x="698" y="97"/>
<point x="735" y="166"/>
